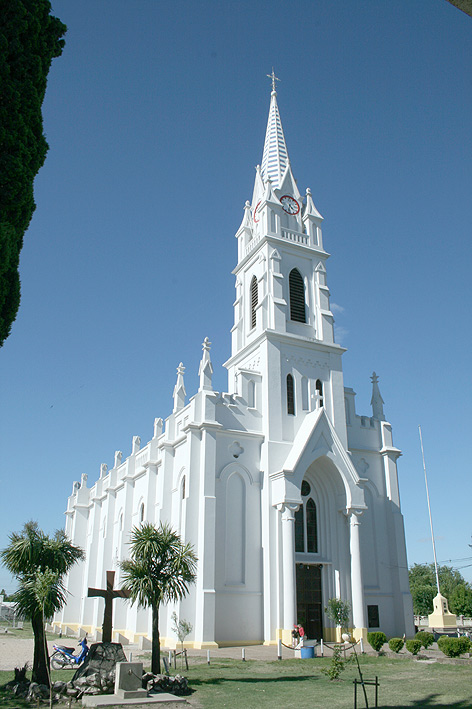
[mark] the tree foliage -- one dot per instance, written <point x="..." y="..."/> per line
<point x="39" y="562"/>
<point x="451" y="583"/>
<point x="339" y="612"/>
<point x="460" y="600"/>
<point x="29" y="39"/>
<point x="160" y="570"/>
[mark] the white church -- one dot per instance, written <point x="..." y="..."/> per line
<point x="288" y="496"/>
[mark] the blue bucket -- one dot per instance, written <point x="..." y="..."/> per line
<point x="307" y="653"/>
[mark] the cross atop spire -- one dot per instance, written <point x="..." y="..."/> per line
<point x="274" y="79"/>
<point x="275" y="155"/>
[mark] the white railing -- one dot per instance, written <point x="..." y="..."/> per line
<point x="295" y="236"/>
<point x="251" y="245"/>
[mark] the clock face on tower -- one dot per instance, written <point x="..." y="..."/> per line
<point x="289" y="204"/>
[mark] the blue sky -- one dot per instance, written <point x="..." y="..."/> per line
<point x="155" y="115"/>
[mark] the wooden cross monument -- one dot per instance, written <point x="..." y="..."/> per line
<point x="109" y="594"/>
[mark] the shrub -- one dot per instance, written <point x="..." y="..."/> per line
<point x="413" y="646"/>
<point x="376" y="640"/>
<point x="395" y="644"/>
<point x="425" y="638"/>
<point x="337" y="664"/>
<point x="453" y="647"/>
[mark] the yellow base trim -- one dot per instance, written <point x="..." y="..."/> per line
<point x="358" y="633"/>
<point x="205" y="646"/>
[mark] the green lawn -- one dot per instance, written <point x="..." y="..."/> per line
<point x="25" y="632"/>
<point x="299" y="683"/>
<point x="296" y="684"/>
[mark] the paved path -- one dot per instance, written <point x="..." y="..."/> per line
<point x="15" y="652"/>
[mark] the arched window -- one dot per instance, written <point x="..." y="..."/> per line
<point x="304" y="394"/>
<point x="297" y="296"/>
<point x="311" y="532"/>
<point x="290" y="395"/>
<point x="254" y="300"/>
<point x="182" y="489"/>
<point x="306" y="527"/>
<point x="319" y="389"/>
<point x="299" y="530"/>
<point x="141" y="513"/>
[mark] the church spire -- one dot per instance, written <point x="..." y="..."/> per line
<point x="377" y="402"/>
<point x="275" y="155"/>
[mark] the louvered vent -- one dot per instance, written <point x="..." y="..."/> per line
<point x="297" y="296"/>
<point x="253" y="301"/>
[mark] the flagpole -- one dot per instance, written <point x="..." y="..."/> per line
<point x="429" y="510"/>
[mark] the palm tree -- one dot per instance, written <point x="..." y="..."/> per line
<point x="39" y="562"/>
<point x="160" y="570"/>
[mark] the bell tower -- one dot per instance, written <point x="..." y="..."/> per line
<point x="282" y="337"/>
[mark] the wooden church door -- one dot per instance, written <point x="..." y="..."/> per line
<point x="309" y="600"/>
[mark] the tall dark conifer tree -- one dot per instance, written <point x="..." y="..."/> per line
<point x="29" y="39"/>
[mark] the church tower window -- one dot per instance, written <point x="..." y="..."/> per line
<point x="297" y="296"/>
<point x="319" y="389"/>
<point x="290" y="395"/>
<point x="254" y="300"/>
<point x="141" y="513"/>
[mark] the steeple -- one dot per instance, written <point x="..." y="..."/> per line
<point x="275" y="155"/>
<point x="377" y="402"/>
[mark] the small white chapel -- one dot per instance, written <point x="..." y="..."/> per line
<point x="288" y="496"/>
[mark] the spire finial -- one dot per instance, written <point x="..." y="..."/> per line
<point x="274" y="79"/>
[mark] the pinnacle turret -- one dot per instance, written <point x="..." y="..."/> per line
<point x="179" y="389"/>
<point x="377" y="402"/>
<point x="206" y="369"/>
